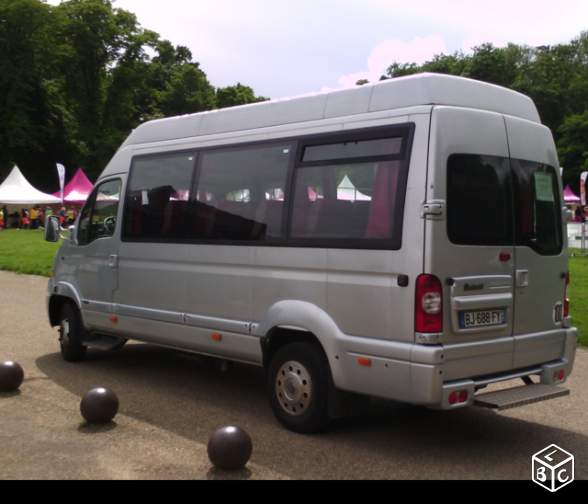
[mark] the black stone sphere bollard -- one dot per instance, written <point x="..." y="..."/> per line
<point x="99" y="406"/>
<point x="229" y="448"/>
<point x="11" y="376"/>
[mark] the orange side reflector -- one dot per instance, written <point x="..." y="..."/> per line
<point x="113" y="319"/>
<point x="364" y="362"/>
<point x="217" y="337"/>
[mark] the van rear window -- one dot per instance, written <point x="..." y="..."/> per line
<point x="538" y="208"/>
<point x="479" y="200"/>
<point x="502" y="202"/>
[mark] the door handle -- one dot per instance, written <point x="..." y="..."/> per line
<point x="113" y="261"/>
<point x="522" y="278"/>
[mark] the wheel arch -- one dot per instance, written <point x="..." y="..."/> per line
<point x="62" y="293"/>
<point x="298" y="321"/>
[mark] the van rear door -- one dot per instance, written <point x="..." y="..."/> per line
<point x="470" y="247"/>
<point x="541" y="258"/>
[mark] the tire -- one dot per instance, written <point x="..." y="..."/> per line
<point x="298" y="387"/>
<point x="71" y="333"/>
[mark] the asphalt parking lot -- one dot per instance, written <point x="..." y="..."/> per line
<point x="170" y="402"/>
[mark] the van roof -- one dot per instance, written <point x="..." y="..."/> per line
<point x="420" y="89"/>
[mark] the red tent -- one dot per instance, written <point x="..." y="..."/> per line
<point x="569" y="196"/>
<point x="78" y="189"/>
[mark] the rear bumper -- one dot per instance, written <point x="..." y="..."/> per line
<point x="427" y="375"/>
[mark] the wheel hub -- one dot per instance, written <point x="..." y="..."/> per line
<point x="64" y="332"/>
<point x="294" y="388"/>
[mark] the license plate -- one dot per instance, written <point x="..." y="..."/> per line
<point x="487" y="318"/>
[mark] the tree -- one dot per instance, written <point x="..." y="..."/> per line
<point x="573" y="148"/>
<point x="239" y="94"/>
<point x="30" y="119"/>
<point x="76" y="78"/>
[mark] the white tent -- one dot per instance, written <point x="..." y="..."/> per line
<point x="16" y="190"/>
<point x="348" y="192"/>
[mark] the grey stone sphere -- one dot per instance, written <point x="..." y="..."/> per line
<point x="230" y="448"/>
<point x="99" y="406"/>
<point x="11" y="376"/>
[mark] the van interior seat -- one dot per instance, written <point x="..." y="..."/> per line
<point x="269" y="212"/>
<point x="174" y="218"/>
<point x="334" y="218"/>
<point x="237" y="220"/>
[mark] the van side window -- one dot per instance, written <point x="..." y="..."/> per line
<point x="351" y="193"/>
<point x="355" y="201"/>
<point x="538" y="207"/>
<point x="353" y="149"/>
<point x="98" y="218"/>
<point x="479" y="200"/>
<point x="158" y="197"/>
<point x="240" y="193"/>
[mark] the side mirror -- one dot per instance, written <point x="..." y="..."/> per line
<point x="52" y="229"/>
<point x="72" y="234"/>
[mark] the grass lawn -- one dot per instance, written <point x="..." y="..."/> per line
<point x="578" y="294"/>
<point x="27" y="252"/>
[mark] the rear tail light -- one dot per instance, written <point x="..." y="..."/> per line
<point x="428" y="305"/>
<point x="460" y="397"/>
<point x="559" y="376"/>
<point x="566" y="299"/>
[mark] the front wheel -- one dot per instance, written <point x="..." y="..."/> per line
<point x="297" y="383"/>
<point x="71" y="332"/>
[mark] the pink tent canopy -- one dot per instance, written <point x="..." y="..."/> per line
<point x="78" y="189"/>
<point x="569" y="196"/>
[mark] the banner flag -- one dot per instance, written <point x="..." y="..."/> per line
<point x="61" y="175"/>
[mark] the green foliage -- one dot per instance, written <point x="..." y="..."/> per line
<point x="76" y="78"/>
<point x="555" y="77"/>
<point x="573" y="145"/>
<point x="236" y="95"/>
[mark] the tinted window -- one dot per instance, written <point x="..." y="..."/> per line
<point x="158" y="196"/>
<point x="98" y="218"/>
<point x="348" y="201"/>
<point x="539" y="221"/>
<point x="353" y="149"/>
<point x="241" y="193"/>
<point x="479" y="200"/>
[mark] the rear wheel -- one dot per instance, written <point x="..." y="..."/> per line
<point x="297" y="384"/>
<point x="71" y="332"/>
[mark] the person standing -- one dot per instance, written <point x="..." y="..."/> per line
<point x="62" y="216"/>
<point x="41" y="214"/>
<point x="25" y="222"/>
<point x="34" y="218"/>
<point x="70" y="216"/>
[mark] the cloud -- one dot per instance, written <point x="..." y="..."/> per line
<point x="418" y="50"/>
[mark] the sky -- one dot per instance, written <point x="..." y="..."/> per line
<point x="286" y="48"/>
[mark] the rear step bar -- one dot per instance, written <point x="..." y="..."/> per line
<point x="520" y="396"/>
